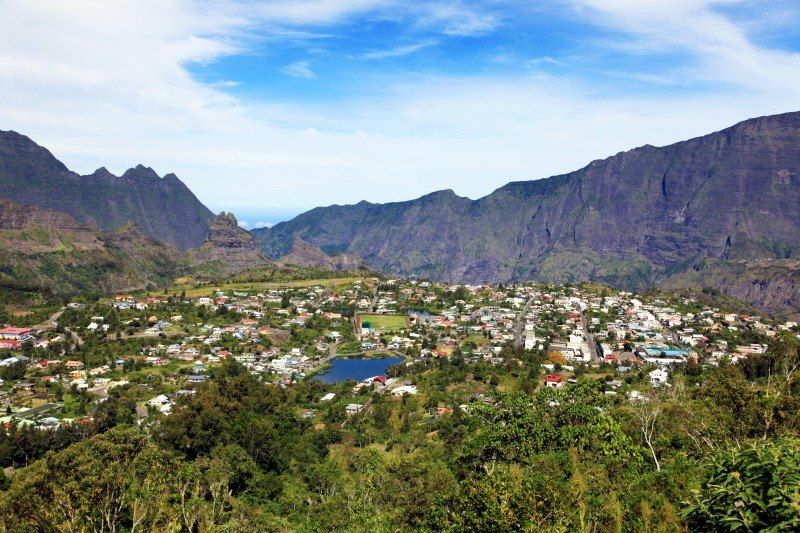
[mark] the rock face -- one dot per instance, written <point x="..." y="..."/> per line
<point x="631" y="220"/>
<point x="164" y="208"/>
<point x="307" y="255"/>
<point x="228" y="248"/>
<point x="28" y="230"/>
<point x="49" y="251"/>
<point x="768" y="284"/>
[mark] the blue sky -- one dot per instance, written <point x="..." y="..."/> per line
<point x="269" y="108"/>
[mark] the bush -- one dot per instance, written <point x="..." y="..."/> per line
<point x="755" y="487"/>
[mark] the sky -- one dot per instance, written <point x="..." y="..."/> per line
<point x="270" y="108"/>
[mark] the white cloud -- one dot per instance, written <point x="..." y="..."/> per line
<point x="109" y="84"/>
<point x="721" y="50"/>
<point x="544" y="60"/>
<point x="314" y="11"/>
<point x="399" y="51"/>
<point x="243" y="224"/>
<point x="457" y="19"/>
<point x="299" y="69"/>
<point x="263" y="225"/>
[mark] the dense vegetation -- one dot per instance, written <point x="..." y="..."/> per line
<point x="716" y="450"/>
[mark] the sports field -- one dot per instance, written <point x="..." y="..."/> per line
<point x="383" y="322"/>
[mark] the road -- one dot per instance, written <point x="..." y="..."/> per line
<point x="519" y="323"/>
<point x="374" y="304"/>
<point x="52" y="322"/>
<point x="595" y="358"/>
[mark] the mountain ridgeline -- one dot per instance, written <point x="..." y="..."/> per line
<point x="719" y="211"/>
<point x="635" y="219"/>
<point x="163" y="208"/>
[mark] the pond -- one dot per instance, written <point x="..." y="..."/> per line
<point x="357" y="368"/>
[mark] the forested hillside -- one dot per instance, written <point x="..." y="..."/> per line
<point x="709" y="453"/>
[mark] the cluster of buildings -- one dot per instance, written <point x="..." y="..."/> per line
<point x="286" y="334"/>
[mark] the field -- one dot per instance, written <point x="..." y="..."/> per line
<point x="383" y="322"/>
<point x="193" y="290"/>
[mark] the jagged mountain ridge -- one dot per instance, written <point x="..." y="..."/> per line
<point x="163" y="208"/>
<point x="632" y="219"/>
<point x="229" y="249"/>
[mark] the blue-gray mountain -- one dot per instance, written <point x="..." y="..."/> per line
<point x="631" y="220"/>
<point x="163" y="208"/>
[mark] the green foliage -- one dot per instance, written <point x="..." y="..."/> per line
<point x="748" y="488"/>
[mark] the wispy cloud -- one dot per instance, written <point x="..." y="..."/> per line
<point x="399" y="51"/>
<point x="544" y="60"/>
<point x="722" y="51"/>
<point x="227" y="84"/>
<point x="299" y="69"/>
<point x="459" y="18"/>
<point x="156" y="96"/>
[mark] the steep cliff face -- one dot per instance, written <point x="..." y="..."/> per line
<point x="307" y="255"/>
<point x="49" y="251"/>
<point x="768" y="284"/>
<point x="228" y="249"/>
<point x="27" y="229"/>
<point x="631" y="220"/>
<point x="164" y="208"/>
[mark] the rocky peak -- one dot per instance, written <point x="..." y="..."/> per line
<point x="226" y="233"/>
<point x="102" y="173"/>
<point x="26" y="152"/>
<point x="141" y="172"/>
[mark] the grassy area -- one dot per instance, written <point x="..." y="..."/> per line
<point x="193" y="290"/>
<point x="383" y="322"/>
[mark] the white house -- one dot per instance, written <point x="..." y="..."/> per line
<point x="354" y="408"/>
<point x="404" y="389"/>
<point x="658" y="377"/>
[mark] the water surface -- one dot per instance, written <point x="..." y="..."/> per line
<point x="357" y="368"/>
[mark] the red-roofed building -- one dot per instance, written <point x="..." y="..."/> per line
<point x="19" y="334"/>
<point x="9" y="344"/>
<point x="554" y="381"/>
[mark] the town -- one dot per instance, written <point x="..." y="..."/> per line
<point x="276" y="403"/>
<point x="157" y="348"/>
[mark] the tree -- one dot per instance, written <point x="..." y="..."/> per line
<point x="751" y="487"/>
<point x="93" y="485"/>
<point x="647" y="410"/>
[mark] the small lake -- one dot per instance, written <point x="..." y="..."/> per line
<point x="357" y="368"/>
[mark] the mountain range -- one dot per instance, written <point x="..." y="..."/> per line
<point x="719" y="211"/>
<point x="641" y="217"/>
<point x="163" y="208"/>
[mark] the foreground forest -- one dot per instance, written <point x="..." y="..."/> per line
<point x="712" y="452"/>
